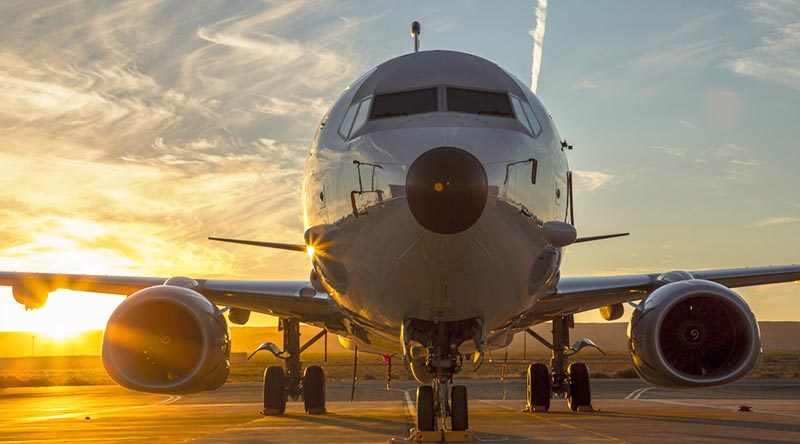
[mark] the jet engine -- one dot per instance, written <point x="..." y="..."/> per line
<point x="693" y="333"/>
<point x="167" y="339"/>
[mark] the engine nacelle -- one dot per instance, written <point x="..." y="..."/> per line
<point x="167" y="339"/>
<point x="693" y="333"/>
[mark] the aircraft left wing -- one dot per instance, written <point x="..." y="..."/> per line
<point x="280" y="298"/>
<point x="575" y="295"/>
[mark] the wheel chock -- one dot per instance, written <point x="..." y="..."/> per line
<point x="586" y="408"/>
<point x="439" y="436"/>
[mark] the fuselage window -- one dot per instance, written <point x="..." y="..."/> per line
<point x="478" y="102"/>
<point x="405" y="103"/>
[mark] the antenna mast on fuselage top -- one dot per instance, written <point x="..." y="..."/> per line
<point x="415" y="32"/>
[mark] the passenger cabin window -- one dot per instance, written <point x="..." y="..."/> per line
<point x="478" y="102"/>
<point x="405" y="103"/>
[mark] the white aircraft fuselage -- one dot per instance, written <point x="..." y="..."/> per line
<point x="393" y="244"/>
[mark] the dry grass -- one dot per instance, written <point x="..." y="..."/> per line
<point x="88" y="370"/>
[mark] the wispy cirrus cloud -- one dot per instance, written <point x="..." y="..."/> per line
<point x="592" y="180"/>
<point x="132" y="130"/>
<point x="777" y="220"/>
<point x="776" y="57"/>
<point x="586" y="84"/>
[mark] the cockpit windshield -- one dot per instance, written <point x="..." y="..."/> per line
<point x="471" y="101"/>
<point x="405" y="103"/>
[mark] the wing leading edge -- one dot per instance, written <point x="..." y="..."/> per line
<point x="280" y="298"/>
<point x="574" y="295"/>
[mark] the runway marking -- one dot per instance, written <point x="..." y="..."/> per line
<point x="543" y="418"/>
<point x="636" y="394"/>
<point x="717" y="407"/>
<point x="170" y="399"/>
<point x="409" y="404"/>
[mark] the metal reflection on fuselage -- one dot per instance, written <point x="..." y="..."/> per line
<point x="384" y="266"/>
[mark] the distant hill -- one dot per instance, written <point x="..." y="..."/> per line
<point x="776" y="336"/>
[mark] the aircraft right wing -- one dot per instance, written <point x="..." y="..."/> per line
<point x="575" y="295"/>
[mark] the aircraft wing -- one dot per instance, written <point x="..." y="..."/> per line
<point x="574" y="295"/>
<point x="279" y="298"/>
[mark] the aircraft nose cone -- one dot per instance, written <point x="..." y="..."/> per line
<point x="446" y="190"/>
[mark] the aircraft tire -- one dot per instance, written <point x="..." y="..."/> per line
<point x="274" y="391"/>
<point x="580" y="392"/>
<point x="459" y="411"/>
<point x="539" y="387"/>
<point x="314" y="390"/>
<point x="426" y="418"/>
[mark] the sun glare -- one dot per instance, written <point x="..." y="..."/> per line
<point x="66" y="314"/>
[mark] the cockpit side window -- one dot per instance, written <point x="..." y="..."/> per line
<point x="526" y="116"/>
<point x="347" y="123"/>
<point x="405" y="103"/>
<point x="536" y="127"/>
<point x="520" y="113"/>
<point x="471" y="101"/>
<point x="363" y="112"/>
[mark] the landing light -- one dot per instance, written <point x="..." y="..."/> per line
<point x="438" y="186"/>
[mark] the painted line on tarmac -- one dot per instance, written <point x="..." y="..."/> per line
<point x="636" y="394"/>
<point x="170" y="399"/>
<point x="542" y="416"/>
<point x="409" y="404"/>
<point x="719" y="407"/>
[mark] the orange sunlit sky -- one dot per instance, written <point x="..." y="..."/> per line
<point x="130" y="131"/>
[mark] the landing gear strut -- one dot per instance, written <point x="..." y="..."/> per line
<point x="293" y="382"/>
<point x="442" y="409"/>
<point x="570" y="381"/>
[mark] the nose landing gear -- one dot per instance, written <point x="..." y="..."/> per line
<point x="439" y="403"/>
<point x="570" y="381"/>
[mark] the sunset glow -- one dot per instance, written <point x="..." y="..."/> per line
<point x="128" y="136"/>
<point x="66" y="314"/>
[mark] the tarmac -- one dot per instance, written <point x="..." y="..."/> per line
<point x="627" y="411"/>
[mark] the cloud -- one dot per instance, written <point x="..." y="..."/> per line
<point x="776" y="58"/>
<point x="780" y="220"/>
<point x="585" y="84"/>
<point x="132" y="130"/>
<point x="688" y="124"/>
<point x="592" y="180"/>
<point x="672" y="151"/>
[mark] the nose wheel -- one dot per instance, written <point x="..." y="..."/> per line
<point x="431" y="406"/>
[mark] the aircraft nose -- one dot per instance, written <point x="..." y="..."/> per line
<point x="446" y="189"/>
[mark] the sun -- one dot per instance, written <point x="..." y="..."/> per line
<point x="66" y="315"/>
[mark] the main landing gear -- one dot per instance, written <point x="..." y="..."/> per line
<point x="568" y="380"/>
<point x="280" y="385"/>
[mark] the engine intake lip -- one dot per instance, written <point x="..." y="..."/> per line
<point x="739" y="362"/>
<point x="173" y="336"/>
<point x="702" y="336"/>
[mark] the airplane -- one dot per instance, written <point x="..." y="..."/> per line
<point x="438" y="202"/>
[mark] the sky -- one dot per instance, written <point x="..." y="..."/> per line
<point x="132" y="130"/>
